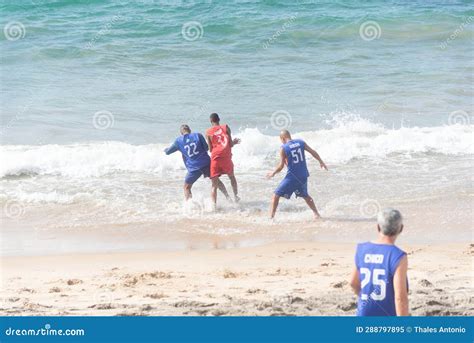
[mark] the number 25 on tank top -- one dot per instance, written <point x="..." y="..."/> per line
<point x="375" y="275"/>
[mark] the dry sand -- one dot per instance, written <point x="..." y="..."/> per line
<point x="277" y="279"/>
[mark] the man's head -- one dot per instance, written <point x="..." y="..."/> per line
<point x="285" y="136"/>
<point x="214" y="117"/>
<point x="185" y="129"/>
<point x="390" y="222"/>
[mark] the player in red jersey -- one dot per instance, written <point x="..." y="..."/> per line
<point x="220" y="143"/>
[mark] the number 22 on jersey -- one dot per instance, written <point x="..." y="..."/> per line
<point x="191" y="149"/>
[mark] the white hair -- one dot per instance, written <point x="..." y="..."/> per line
<point x="390" y="221"/>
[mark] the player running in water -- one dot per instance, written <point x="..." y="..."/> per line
<point x="220" y="143"/>
<point x="380" y="275"/>
<point x="292" y="153"/>
<point x="193" y="148"/>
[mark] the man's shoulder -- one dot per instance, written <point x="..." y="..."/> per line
<point x="300" y="141"/>
<point x="399" y="250"/>
<point x="224" y="127"/>
<point x="200" y="137"/>
<point x="294" y="143"/>
<point x="209" y="130"/>
<point x="380" y="248"/>
<point x="362" y="245"/>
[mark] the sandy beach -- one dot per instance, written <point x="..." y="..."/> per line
<point x="284" y="279"/>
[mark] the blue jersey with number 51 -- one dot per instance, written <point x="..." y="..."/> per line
<point x="295" y="155"/>
<point x="194" y="148"/>
<point x="377" y="264"/>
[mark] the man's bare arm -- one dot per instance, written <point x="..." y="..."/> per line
<point x="232" y="141"/>
<point x="280" y="166"/>
<point x="209" y="142"/>
<point x="316" y="156"/>
<point x="400" y="287"/>
<point x="355" y="281"/>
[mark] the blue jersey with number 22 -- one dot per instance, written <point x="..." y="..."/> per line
<point x="193" y="147"/>
<point x="377" y="264"/>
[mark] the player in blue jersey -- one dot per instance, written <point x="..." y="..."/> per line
<point x="292" y="153"/>
<point x="193" y="148"/>
<point x="380" y="275"/>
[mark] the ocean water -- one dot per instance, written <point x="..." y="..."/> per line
<point x="93" y="91"/>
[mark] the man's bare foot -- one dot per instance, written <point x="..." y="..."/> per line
<point x="236" y="198"/>
<point x="317" y="216"/>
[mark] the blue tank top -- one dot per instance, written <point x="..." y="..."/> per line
<point x="296" y="158"/>
<point x="377" y="264"/>
<point x="193" y="147"/>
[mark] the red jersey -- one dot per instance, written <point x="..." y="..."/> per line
<point x="221" y="146"/>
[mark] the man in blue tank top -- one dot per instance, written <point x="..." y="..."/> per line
<point x="380" y="275"/>
<point x="292" y="153"/>
<point x="193" y="148"/>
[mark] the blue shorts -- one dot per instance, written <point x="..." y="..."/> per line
<point x="291" y="185"/>
<point x="192" y="176"/>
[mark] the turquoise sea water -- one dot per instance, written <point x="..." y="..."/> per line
<point x="93" y="91"/>
<point x="254" y="58"/>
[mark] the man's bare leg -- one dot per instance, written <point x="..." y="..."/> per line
<point x="222" y="188"/>
<point x="312" y="206"/>
<point x="187" y="191"/>
<point x="275" y="202"/>
<point x="215" y="185"/>
<point x="233" y="182"/>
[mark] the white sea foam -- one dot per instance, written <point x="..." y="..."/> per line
<point x="85" y="160"/>
<point x="338" y="145"/>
